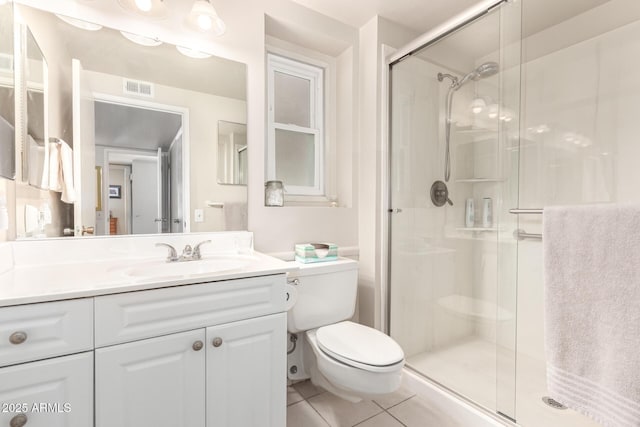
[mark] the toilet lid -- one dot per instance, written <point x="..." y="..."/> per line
<point x="358" y="345"/>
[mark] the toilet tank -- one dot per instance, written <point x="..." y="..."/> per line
<point x="326" y="294"/>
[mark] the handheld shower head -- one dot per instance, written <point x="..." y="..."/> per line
<point x="483" y="71"/>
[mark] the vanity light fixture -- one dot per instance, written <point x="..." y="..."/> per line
<point x="192" y="53"/>
<point x="204" y="18"/>
<point x="144" y="5"/>
<point x="79" y="23"/>
<point x="141" y="40"/>
<point x="149" y="8"/>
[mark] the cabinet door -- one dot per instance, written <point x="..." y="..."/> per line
<point x="158" y="382"/>
<point x="56" y="392"/>
<point x="246" y="373"/>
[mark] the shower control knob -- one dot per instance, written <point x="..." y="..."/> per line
<point x="217" y="342"/>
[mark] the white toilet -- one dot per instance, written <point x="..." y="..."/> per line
<point x="350" y="360"/>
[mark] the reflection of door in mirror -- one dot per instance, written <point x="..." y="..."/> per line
<point x="141" y="147"/>
<point x="232" y="153"/>
<point x="7" y="94"/>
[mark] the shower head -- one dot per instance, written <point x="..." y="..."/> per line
<point x="483" y="71"/>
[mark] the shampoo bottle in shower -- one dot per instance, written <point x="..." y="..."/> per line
<point x="487" y="212"/>
<point x="469" y="214"/>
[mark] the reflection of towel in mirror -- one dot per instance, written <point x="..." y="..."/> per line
<point x="61" y="170"/>
<point x="235" y="216"/>
<point x="36" y="162"/>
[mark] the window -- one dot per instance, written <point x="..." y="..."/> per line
<point x="295" y="141"/>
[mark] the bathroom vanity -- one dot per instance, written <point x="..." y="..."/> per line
<point x="108" y="343"/>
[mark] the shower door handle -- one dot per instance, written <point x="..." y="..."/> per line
<point x="397" y="210"/>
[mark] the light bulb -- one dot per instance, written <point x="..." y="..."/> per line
<point x="144" y="5"/>
<point x="205" y="22"/>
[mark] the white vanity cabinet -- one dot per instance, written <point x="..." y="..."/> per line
<point x="46" y="364"/>
<point x="204" y="355"/>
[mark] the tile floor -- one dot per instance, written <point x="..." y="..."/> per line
<point x="310" y="406"/>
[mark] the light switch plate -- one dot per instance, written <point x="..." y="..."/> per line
<point x="198" y="215"/>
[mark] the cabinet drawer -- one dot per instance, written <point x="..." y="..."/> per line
<point x="37" y="331"/>
<point x="55" y="392"/>
<point x="137" y="315"/>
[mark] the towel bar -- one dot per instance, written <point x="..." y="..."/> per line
<point x="525" y="211"/>
<point x="520" y="234"/>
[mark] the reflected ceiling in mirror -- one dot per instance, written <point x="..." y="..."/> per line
<point x="136" y="103"/>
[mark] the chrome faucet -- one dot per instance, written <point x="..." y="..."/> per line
<point x="196" y="250"/>
<point x="173" y="255"/>
<point x="188" y="253"/>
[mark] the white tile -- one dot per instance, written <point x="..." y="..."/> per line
<point x="302" y="414"/>
<point x="307" y="389"/>
<point x="342" y="413"/>
<point x="392" y="399"/>
<point x="293" y="396"/>
<point x="416" y="412"/>
<point x="381" y="420"/>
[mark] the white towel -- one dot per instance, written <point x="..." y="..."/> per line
<point x="61" y="170"/>
<point x="235" y="216"/>
<point x="592" y="310"/>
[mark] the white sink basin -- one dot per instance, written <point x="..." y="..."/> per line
<point x="208" y="265"/>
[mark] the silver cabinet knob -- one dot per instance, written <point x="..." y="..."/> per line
<point x="18" y="337"/>
<point x="197" y="346"/>
<point x="217" y="342"/>
<point x="18" y="421"/>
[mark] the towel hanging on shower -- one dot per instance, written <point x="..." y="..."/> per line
<point x="592" y="310"/>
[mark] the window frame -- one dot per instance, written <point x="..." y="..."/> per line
<point x="315" y="75"/>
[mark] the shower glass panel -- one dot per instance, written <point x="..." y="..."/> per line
<point x="452" y="294"/>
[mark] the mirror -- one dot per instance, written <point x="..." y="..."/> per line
<point x="232" y="153"/>
<point x="142" y="130"/>
<point x="7" y="93"/>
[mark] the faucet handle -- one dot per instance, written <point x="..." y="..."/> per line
<point x="196" y="250"/>
<point x="173" y="255"/>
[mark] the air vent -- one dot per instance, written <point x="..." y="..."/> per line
<point x="137" y="87"/>
<point x="6" y="62"/>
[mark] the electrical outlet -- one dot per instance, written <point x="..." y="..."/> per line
<point x="198" y="215"/>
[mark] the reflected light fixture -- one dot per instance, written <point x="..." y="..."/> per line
<point x="79" y="23"/>
<point x="141" y="40"/>
<point x="148" y="8"/>
<point x="192" y="53"/>
<point x="493" y="111"/>
<point x="477" y="105"/>
<point x="204" y="18"/>
<point x="144" y="5"/>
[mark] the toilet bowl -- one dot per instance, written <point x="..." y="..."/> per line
<point x="350" y="360"/>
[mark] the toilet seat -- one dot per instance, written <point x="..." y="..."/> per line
<point x="360" y="346"/>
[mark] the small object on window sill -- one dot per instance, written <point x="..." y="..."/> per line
<point x="316" y="252"/>
<point x="273" y="193"/>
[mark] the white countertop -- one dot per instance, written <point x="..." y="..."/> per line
<point x="50" y="282"/>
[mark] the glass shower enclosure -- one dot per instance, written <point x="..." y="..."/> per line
<point x="525" y="105"/>
<point x="453" y="164"/>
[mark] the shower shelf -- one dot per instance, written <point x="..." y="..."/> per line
<point x="473" y="307"/>
<point x="476" y="229"/>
